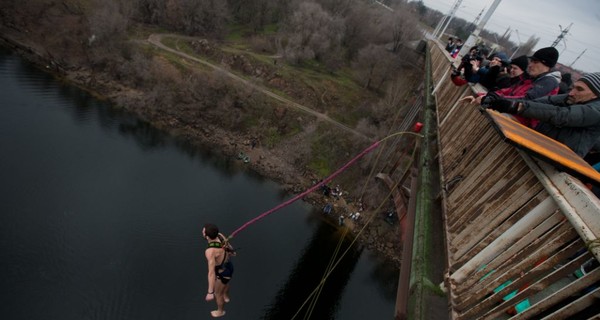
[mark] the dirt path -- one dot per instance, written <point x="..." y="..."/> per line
<point x="155" y="39"/>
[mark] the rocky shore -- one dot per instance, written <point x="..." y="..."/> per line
<point x="274" y="164"/>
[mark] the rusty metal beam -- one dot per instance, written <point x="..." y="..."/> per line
<point x="540" y="236"/>
<point x="569" y="290"/>
<point x="495" y="229"/>
<point x="407" y="229"/>
<point x="532" y="219"/>
<point x="576" y="306"/>
<point x="513" y="268"/>
<point x="578" y="203"/>
<point x="481" y="308"/>
<point x="539" y="285"/>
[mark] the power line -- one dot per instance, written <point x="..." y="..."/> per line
<point x="562" y="35"/>
<point x="579" y="56"/>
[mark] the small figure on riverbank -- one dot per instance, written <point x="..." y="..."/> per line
<point x="244" y="157"/>
<point x="328" y="208"/>
<point x="336" y="192"/>
<point x="325" y="190"/>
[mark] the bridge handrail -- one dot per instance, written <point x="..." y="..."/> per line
<point x="512" y="222"/>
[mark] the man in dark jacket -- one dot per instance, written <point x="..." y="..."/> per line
<point x="573" y="118"/>
<point x="545" y="81"/>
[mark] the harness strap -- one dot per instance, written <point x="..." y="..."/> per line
<point x="215" y="244"/>
<point x="219" y="245"/>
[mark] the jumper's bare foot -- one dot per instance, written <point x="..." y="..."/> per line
<point x="217" y="313"/>
<point x="226" y="299"/>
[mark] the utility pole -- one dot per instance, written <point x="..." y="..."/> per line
<point x="478" y="16"/>
<point x="451" y="16"/>
<point x="518" y="45"/>
<point x="579" y="56"/>
<point x="562" y="34"/>
<point x="439" y="26"/>
<point x="506" y="33"/>
<point x="441" y="23"/>
<point x="475" y="35"/>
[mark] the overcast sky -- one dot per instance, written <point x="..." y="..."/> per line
<point x="542" y="19"/>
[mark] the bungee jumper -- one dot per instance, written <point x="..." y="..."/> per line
<point x="220" y="267"/>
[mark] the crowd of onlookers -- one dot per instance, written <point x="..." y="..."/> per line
<point x="532" y="92"/>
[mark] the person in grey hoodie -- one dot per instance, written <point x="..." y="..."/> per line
<point x="573" y="118"/>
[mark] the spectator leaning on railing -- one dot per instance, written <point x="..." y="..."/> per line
<point x="573" y="118"/>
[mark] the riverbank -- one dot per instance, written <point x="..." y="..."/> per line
<point x="273" y="163"/>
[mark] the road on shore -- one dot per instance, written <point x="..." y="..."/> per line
<point x="155" y="39"/>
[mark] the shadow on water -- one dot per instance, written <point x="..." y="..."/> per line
<point x="309" y="271"/>
<point x="139" y="288"/>
<point x="386" y="276"/>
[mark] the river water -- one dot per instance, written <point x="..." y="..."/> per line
<point x="101" y="218"/>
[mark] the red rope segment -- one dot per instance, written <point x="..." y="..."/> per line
<point x="313" y="188"/>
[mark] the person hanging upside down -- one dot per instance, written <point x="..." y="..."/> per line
<point x="220" y="268"/>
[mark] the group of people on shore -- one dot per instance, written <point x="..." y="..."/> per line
<point x="336" y="194"/>
<point x="532" y="92"/>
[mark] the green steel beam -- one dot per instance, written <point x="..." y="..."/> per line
<point x="421" y="270"/>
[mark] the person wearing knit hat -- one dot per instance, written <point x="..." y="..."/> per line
<point x="592" y="80"/>
<point x="545" y="81"/>
<point x="548" y="56"/>
<point x="521" y="62"/>
<point x="502" y="56"/>
<point x="572" y="119"/>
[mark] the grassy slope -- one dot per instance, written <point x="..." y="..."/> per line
<point x="335" y="94"/>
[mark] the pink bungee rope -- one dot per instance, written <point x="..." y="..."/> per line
<point x="311" y="189"/>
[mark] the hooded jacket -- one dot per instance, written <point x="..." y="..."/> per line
<point x="576" y="125"/>
<point x="544" y="85"/>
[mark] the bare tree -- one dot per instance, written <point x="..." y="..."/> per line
<point x="373" y="66"/>
<point x="150" y="11"/>
<point x="253" y="13"/>
<point x="338" y="7"/>
<point x="207" y="18"/>
<point x="363" y="25"/>
<point x="108" y="22"/>
<point x="311" y="33"/>
<point x="527" y="47"/>
<point x="403" y="27"/>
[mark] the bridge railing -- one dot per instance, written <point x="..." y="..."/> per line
<point x="518" y="232"/>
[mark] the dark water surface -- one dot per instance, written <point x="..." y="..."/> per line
<point x="101" y="217"/>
